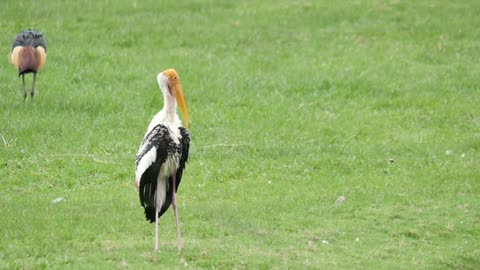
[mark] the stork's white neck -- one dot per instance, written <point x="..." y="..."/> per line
<point x="168" y="115"/>
<point x="169" y="104"/>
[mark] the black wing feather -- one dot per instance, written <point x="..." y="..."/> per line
<point x="165" y="145"/>
<point x="184" y="148"/>
<point x="147" y="189"/>
<point x="30" y="37"/>
<point x="148" y="182"/>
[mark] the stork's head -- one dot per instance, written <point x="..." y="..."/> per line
<point x="169" y="82"/>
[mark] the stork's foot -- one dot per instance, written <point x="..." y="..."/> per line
<point x="32" y="94"/>
<point x="24" y="96"/>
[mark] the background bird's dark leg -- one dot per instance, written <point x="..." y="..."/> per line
<point x="24" y="89"/>
<point x="175" y="210"/>
<point x="156" y="229"/>
<point x="33" y="85"/>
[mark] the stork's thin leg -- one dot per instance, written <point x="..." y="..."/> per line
<point x="175" y="210"/>
<point x="33" y="85"/>
<point x="24" y="89"/>
<point x="156" y="229"/>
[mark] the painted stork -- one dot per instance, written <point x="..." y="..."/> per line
<point x="161" y="158"/>
<point x="29" y="54"/>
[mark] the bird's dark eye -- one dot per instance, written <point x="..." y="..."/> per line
<point x="174" y="77"/>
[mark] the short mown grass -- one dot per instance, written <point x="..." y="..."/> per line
<point x="293" y="104"/>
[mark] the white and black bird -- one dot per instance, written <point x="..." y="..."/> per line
<point x="29" y="54"/>
<point x="162" y="156"/>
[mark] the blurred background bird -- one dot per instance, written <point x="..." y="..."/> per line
<point x="29" y="54"/>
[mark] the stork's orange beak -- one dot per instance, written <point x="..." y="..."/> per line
<point x="176" y="86"/>
<point x="181" y="102"/>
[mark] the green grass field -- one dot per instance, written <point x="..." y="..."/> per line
<point x="292" y="104"/>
